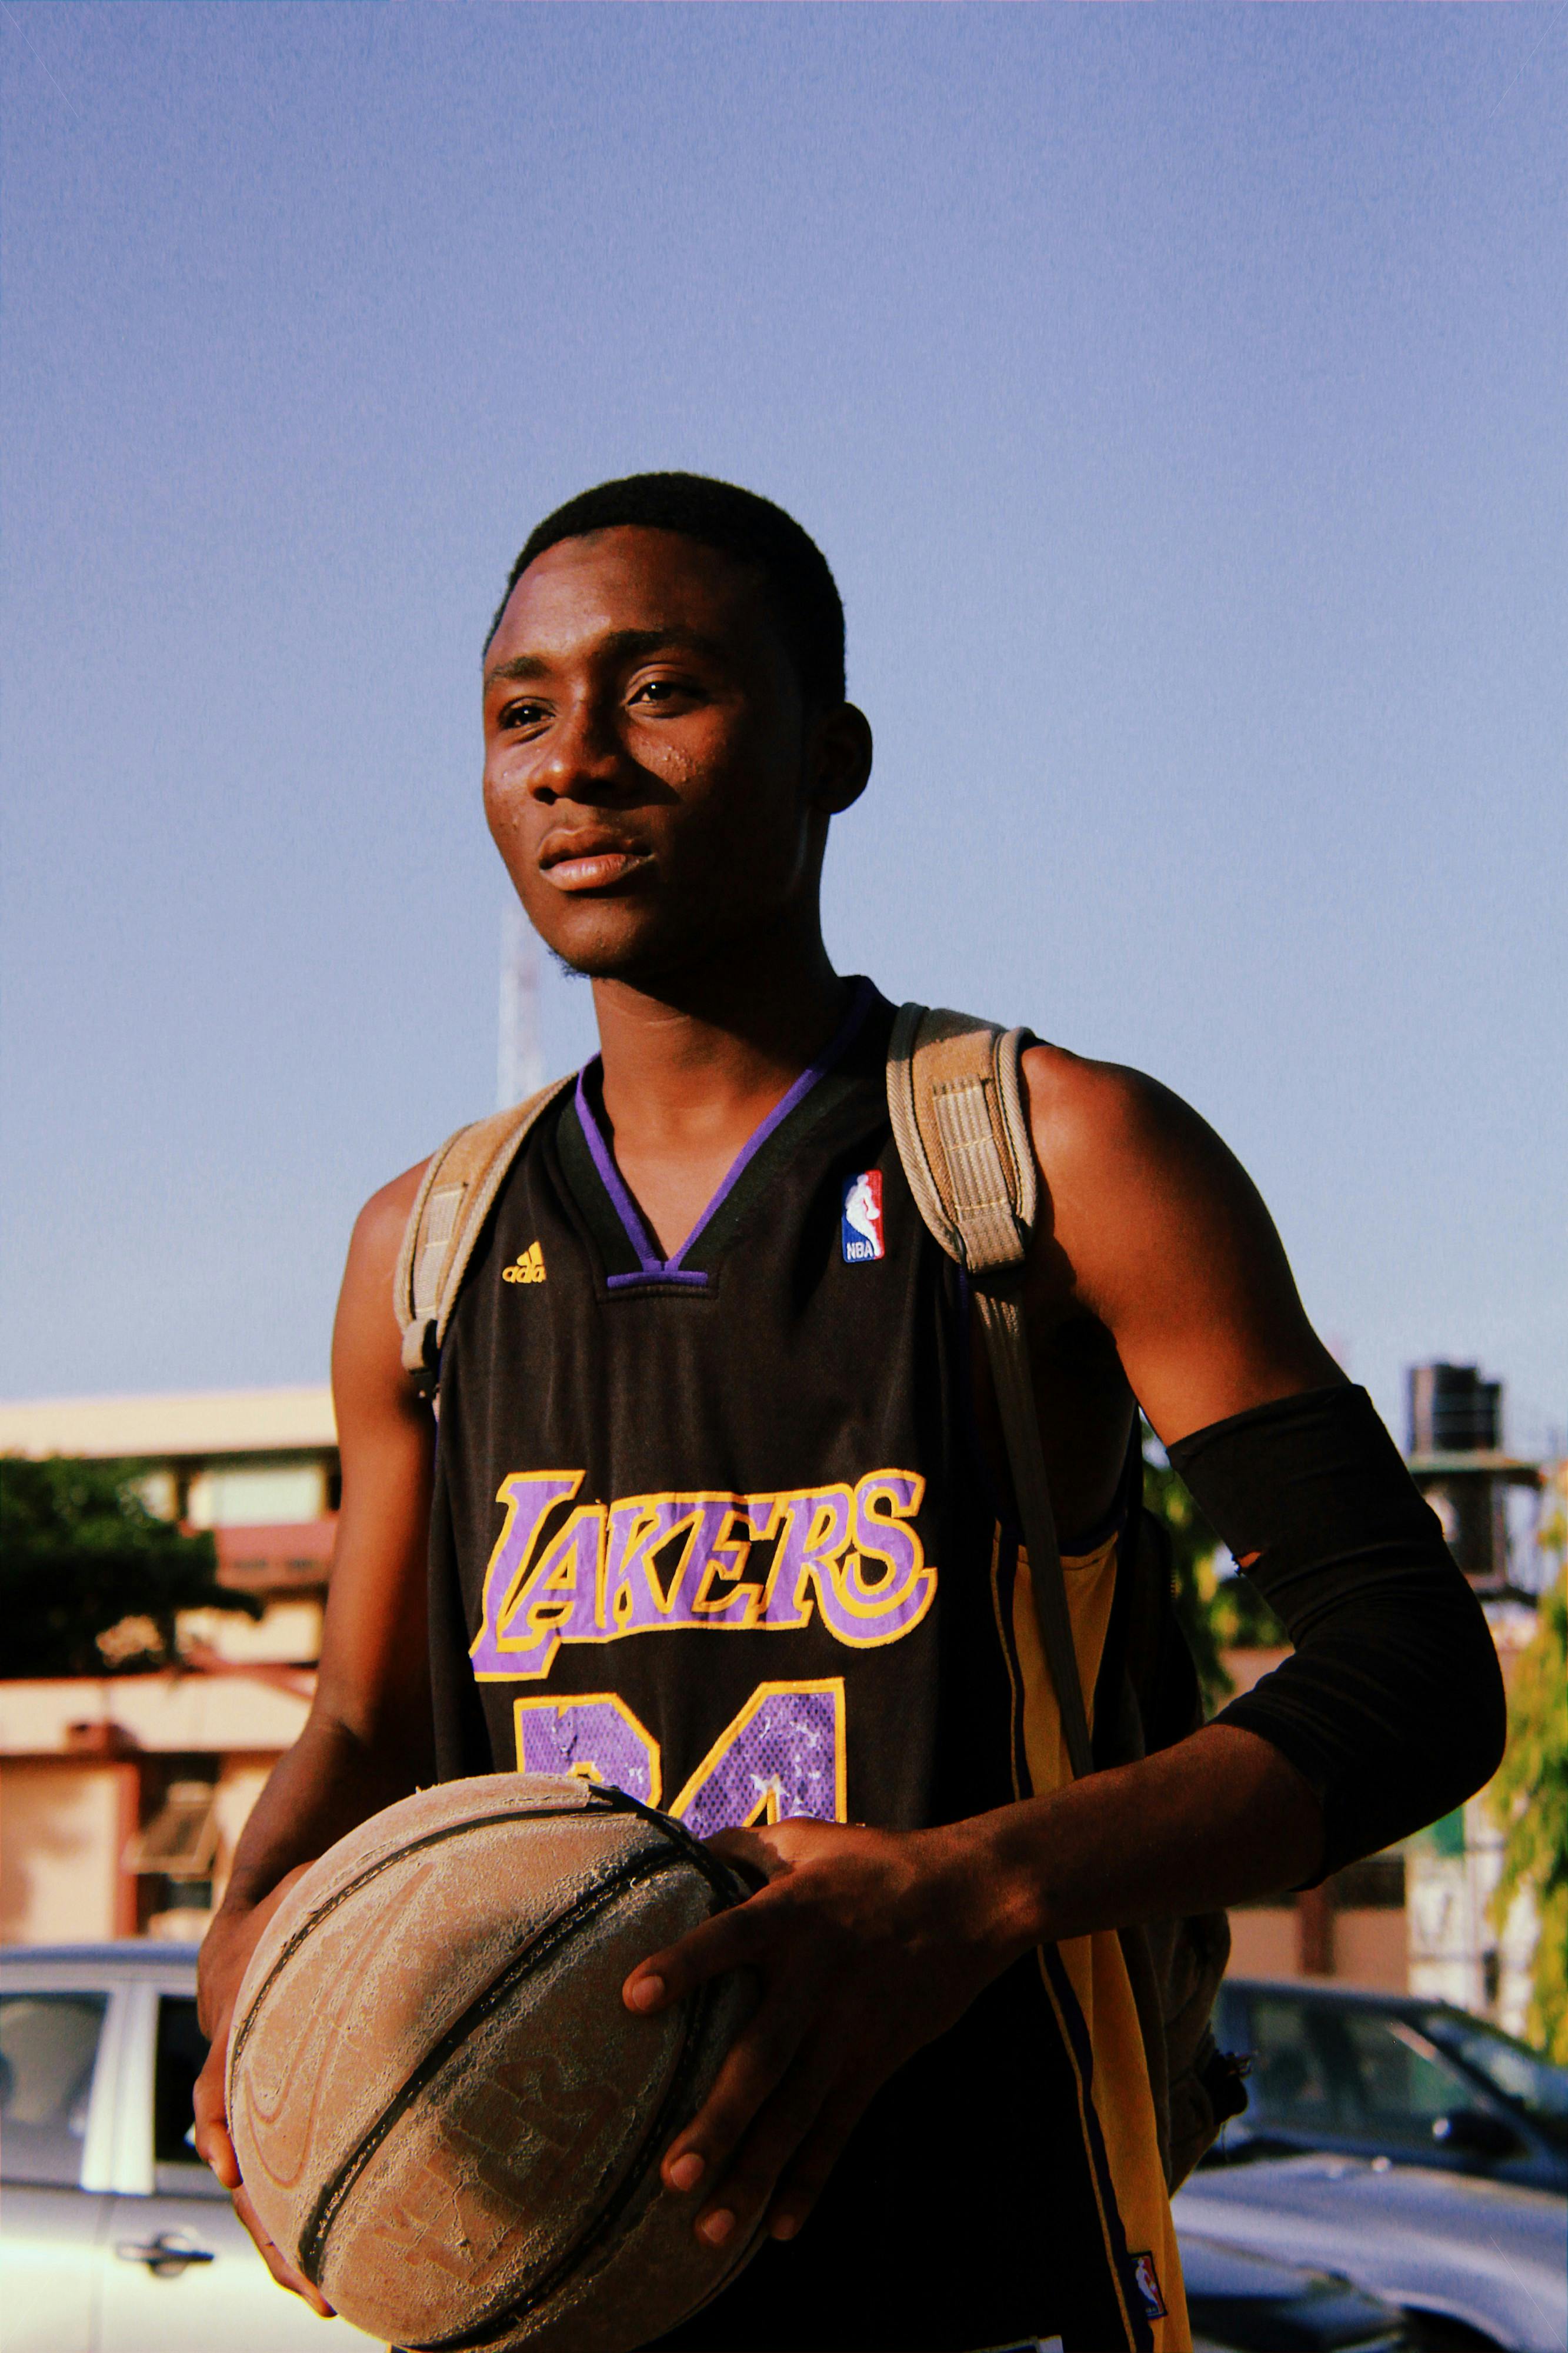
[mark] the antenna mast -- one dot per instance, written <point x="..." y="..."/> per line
<point x="520" y="1060"/>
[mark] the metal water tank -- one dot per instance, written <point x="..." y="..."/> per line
<point x="1453" y="1410"/>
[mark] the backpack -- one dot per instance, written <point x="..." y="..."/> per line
<point x="958" y="1120"/>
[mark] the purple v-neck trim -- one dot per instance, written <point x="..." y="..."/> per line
<point x="651" y="1266"/>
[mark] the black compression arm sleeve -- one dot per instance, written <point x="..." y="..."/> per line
<point x="1391" y="1704"/>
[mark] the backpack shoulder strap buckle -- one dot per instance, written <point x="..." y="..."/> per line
<point x="955" y="1097"/>
<point x="456" y="1197"/>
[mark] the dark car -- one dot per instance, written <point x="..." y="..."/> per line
<point x="1241" y="2301"/>
<point x="1372" y="2074"/>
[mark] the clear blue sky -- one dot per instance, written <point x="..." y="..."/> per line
<point x="1179" y="396"/>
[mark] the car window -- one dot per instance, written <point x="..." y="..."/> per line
<point x="1520" y="2074"/>
<point x="1292" y="2082"/>
<point x="1347" y="2074"/>
<point x="1402" y="2085"/>
<point x="48" y="2044"/>
<point x="182" y="2051"/>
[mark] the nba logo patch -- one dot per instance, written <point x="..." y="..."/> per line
<point x="1146" y="2280"/>
<point x="862" y="1222"/>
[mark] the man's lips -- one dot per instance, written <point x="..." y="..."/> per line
<point x="588" y="861"/>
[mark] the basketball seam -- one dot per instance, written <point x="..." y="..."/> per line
<point x="330" y="1904"/>
<point x="542" y="1948"/>
<point x="571" y="2259"/>
<point x="731" y="1890"/>
<point x="719" y="1875"/>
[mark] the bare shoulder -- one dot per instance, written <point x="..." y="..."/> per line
<point x="367" y="1343"/>
<point x="378" y="1229"/>
<point x="1150" y="1224"/>
<point x="1096" y="1124"/>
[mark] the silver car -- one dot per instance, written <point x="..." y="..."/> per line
<point x="1475" y="2263"/>
<point x="114" y="2238"/>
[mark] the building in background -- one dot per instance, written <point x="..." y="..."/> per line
<point x="1459" y="1953"/>
<point x="1419" y="1917"/>
<point x="1457" y="1458"/>
<point x="121" y="1796"/>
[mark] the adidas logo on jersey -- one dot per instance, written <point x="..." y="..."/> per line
<point x="528" y="1268"/>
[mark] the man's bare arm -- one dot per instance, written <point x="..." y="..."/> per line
<point x="1389" y="1707"/>
<point x="367" y="1739"/>
<point x="1152" y="1226"/>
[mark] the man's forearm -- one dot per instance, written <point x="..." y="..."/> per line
<point x="1218" y="1819"/>
<point x="325" y="1786"/>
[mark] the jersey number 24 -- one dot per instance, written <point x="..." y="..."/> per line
<point x="782" y="1755"/>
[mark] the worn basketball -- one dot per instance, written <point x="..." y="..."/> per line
<point x="444" y="2112"/>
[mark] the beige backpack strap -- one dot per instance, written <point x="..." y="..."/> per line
<point x="455" y="1198"/>
<point x="962" y="1127"/>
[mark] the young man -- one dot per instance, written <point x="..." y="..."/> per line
<point x="743" y="1374"/>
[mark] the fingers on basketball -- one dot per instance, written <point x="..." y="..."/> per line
<point x="277" y="2263"/>
<point x="780" y="2124"/>
<point x="753" y="2069"/>
<point x="210" y="2106"/>
<point x="806" y="2176"/>
<point x="730" y="1940"/>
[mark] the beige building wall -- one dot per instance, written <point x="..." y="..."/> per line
<point x="1367" y="1947"/>
<point x="1370" y="1949"/>
<point x="85" y="1762"/>
<point x="1263" y="1942"/>
<point x="66" y="1817"/>
<point x="63" y="1828"/>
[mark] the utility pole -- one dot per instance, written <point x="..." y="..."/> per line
<point x="519" y="1060"/>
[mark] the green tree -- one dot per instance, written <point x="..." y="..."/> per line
<point x="83" y="1559"/>
<point x="1530" y="1797"/>
<point x="1216" y="1613"/>
<point x="1192" y="1548"/>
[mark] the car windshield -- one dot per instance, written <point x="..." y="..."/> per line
<point x="1524" y="2077"/>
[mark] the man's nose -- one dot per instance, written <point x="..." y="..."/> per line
<point x="584" y="758"/>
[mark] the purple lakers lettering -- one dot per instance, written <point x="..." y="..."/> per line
<point x="564" y="1571"/>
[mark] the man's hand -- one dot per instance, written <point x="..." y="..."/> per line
<point x="231" y="1940"/>
<point x="867" y="1943"/>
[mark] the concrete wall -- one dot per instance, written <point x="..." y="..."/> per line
<point x="63" y="1829"/>
<point x="1366" y="1948"/>
<point x="224" y="1713"/>
<point x="1370" y="1949"/>
<point x="84" y="1760"/>
<point x="1265" y="1942"/>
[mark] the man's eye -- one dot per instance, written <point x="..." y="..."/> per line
<point x="522" y="714"/>
<point x="660" y="692"/>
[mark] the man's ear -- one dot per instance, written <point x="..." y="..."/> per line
<point x="839" y="759"/>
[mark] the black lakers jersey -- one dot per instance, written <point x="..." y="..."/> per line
<point x="718" y="1529"/>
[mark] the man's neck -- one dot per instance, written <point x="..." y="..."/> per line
<point x="698" y="1060"/>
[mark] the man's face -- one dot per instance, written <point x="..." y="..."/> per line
<point x="649" y="766"/>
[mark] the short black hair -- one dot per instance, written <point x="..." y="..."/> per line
<point x="800" y="587"/>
